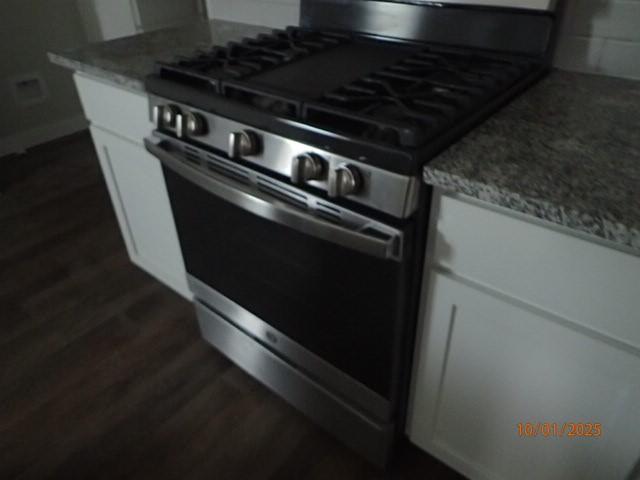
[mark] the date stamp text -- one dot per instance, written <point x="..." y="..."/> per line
<point x="559" y="430"/>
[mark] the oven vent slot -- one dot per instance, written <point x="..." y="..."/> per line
<point x="328" y="212"/>
<point x="229" y="171"/>
<point x="374" y="232"/>
<point x="192" y="155"/>
<point x="331" y="217"/>
<point x="282" y="193"/>
<point x="192" y="158"/>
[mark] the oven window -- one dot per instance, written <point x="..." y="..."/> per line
<point x="342" y="305"/>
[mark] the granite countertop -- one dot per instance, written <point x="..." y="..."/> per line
<point x="566" y="151"/>
<point x="126" y="61"/>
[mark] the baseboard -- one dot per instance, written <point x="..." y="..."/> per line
<point x="21" y="141"/>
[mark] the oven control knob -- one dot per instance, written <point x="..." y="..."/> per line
<point x="344" y="180"/>
<point x="170" y="115"/>
<point x="244" y="144"/>
<point x="196" y="124"/>
<point x="306" y="167"/>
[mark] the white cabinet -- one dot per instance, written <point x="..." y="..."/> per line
<point x="487" y="361"/>
<point x="119" y="122"/>
<point x="139" y="196"/>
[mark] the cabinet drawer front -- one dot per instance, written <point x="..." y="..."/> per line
<point x="584" y="282"/>
<point x="119" y="111"/>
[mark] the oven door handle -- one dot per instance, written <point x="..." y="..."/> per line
<point x="267" y="207"/>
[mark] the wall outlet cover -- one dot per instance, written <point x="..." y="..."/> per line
<point x="29" y="89"/>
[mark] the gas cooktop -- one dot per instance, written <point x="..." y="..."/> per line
<point x="396" y="94"/>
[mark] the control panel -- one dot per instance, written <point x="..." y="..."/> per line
<point x="302" y="164"/>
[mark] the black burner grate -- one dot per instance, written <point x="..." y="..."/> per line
<point x="251" y="56"/>
<point x="392" y="93"/>
<point x="413" y="100"/>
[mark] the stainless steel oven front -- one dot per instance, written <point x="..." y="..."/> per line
<point x="308" y="296"/>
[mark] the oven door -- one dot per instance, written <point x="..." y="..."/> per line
<point x="323" y="287"/>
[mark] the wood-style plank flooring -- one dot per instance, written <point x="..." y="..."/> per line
<point x="103" y="374"/>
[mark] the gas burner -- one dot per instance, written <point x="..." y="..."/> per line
<point x="251" y="56"/>
<point x="408" y="103"/>
<point x="383" y="95"/>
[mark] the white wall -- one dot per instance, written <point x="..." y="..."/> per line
<point x="153" y="14"/>
<point x="109" y="19"/>
<point x="272" y="13"/>
<point x="601" y="36"/>
<point x="28" y="29"/>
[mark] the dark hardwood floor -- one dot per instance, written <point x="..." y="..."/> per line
<point x="103" y="373"/>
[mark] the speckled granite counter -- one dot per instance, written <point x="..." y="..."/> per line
<point x="126" y="61"/>
<point x="566" y="151"/>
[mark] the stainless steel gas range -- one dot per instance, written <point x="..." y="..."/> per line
<point x="293" y="162"/>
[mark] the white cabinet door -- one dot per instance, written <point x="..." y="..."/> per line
<point x="484" y="364"/>
<point x="139" y="196"/>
